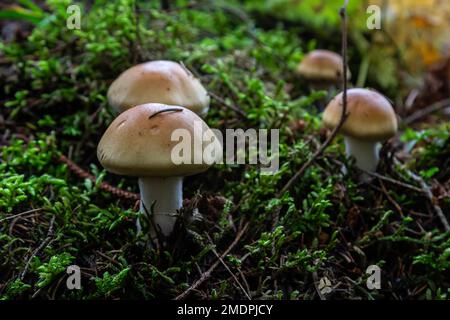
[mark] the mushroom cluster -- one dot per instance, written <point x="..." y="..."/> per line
<point x="370" y="116"/>
<point x="153" y="100"/>
<point x="139" y="143"/>
<point x="156" y="98"/>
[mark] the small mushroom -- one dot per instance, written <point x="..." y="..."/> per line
<point x="322" y="68"/>
<point x="139" y="143"/>
<point x="158" y="81"/>
<point x="371" y="119"/>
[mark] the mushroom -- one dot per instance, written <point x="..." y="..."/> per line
<point x="323" y="68"/>
<point x="158" y="81"/>
<point x="371" y="119"/>
<point x="139" y="142"/>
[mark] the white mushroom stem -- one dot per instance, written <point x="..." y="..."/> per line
<point x="167" y="195"/>
<point x="364" y="152"/>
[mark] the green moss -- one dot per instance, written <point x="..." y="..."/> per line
<point x="328" y="223"/>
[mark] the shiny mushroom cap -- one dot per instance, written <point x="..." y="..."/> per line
<point x="322" y="65"/>
<point x="370" y="115"/>
<point x="158" y="81"/>
<point x="139" y="141"/>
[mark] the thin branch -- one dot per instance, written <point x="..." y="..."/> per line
<point x="438" y="105"/>
<point x="229" y="270"/>
<point x="227" y="105"/>
<point x="390" y="199"/>
<point x="426" y="189"/>
<point x="44" y="243"/>
<point x="393" y="181"/>
<point x="344" y="115"/>
<point x="205" y="276"/>
<point x="21" y="214"/>
<point x="138" y="43"/>
<point x="103" y="186"/>
<point x="213" y="95"/>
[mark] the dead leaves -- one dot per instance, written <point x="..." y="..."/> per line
<point x="420" y="29"/>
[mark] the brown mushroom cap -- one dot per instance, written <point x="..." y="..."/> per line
<point x="158" y="81"/>
<point x="370" y="115"/>
<point x="139" y="144"/>
<point x="322" y="65"/>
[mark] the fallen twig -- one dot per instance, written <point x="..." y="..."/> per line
<point x="214" y="96"/>
<point x="229" y="271"/>
<point x="21" y="214"/>
<point x="225" y="104"/>
<point x="344" y="114"/>
<point x="205" y="276"/>
<point x="393" y="181"/>
<point x="103" y="186"/>
<point x="390" y="199"/>
<point x="47" y="239"/>
<point x="427" y="191"/>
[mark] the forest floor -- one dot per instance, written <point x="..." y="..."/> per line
<point x="251" y="241"/>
